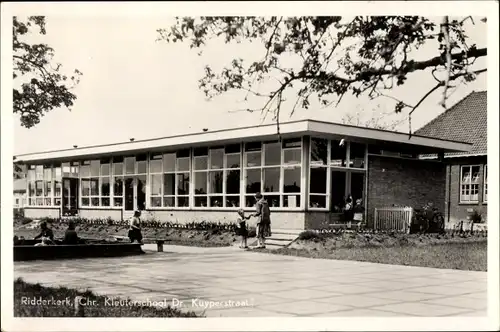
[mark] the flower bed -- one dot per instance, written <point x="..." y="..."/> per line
<point x="205" y="234"/>
<point x="341" y="238"/>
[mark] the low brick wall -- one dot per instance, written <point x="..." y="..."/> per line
<point x="37" y="213"/>
<point x="279" y="219"/>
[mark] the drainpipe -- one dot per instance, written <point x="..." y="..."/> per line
<point x="449" y="193"/>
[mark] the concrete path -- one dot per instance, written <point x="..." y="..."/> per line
<point x="248" y="284"/>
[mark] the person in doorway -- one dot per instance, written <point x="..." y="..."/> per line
<point x="241" y="228"/>
<point x="263" y="214"/>
<point x="70" y="236"/>
<point x="134" y="232"/>
<point x="45" y="232"/>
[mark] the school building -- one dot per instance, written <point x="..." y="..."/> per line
<point x="466" y="171"/>
<point x="305" y="172"/>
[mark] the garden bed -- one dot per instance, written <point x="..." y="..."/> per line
<point x="354" y="239"/>
<point x="26" y="291"/>
<point x="180" y="236"/>
<point x="447" y="251"/>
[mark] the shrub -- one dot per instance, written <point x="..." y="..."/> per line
<point x="310" y="235"/>
<point x="18" y="213"/>
<point x="26" y="221"/>
<point x="476" y="217"/>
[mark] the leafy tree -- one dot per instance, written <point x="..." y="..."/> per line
<point x="39" y="87"/>
<point x="333" y="55"/>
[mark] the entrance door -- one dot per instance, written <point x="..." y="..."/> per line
<point x="357" y="186"/>
<point x="70" y="196"/>
<point x="338" y="191"/>
<point x="135" y="193"/>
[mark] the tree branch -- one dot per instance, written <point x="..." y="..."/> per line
<point x="269" y="43"/>
<point x="446" y="32"/>
<point x="452" y="78"/>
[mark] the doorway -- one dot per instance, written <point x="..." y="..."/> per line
<point x="357" y="185"/>
<point x="70" y="196"/>
<point x="135" y="193"/>
<point x="338" y="191"/>
<point x="342" y="184"/>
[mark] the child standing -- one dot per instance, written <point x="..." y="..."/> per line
<point x="241" y="228"/>
<point x="134" y="232"/>
<point x="358" y="211"/>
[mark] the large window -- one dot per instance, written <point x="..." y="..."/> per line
<point x="291" y="173"/>
<point x="57" y="176"/>
<point x="105" y="182"/>
<point x="200" y="167"/>
<point x="469" y="184"/>
<point x="485" y="185"/>
<point x="118" y="181"/>
<point x="155" y="179"/>
<point x="44" y="185"/>
<point x="95" y="183"/>
<point x="232" y="175"/>
<point x="169" y="178"/>
<point x="217" y="176"/>
<point x="210" y="177"/>
<point x="318" y="194"/>
<point x="274" y="168"/>
<point x="182" y="175"/>
<point x="336" y="169"/>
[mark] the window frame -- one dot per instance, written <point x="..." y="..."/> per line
<point x="281" y="166"/>
<point x="329" y="168"/>
<point x="485" y="183"/>
<point x="470" y="184"/>
<point x="98" y="179"/>
<point x="234" y="152"/>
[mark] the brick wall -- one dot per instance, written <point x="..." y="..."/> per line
<point x="37" y="213"/>
<point x="279" y="219"/>
<point x="404" y="182"/>
<point x="283" y="220"/>
<point x="458" y="211"/>
<point x="100" y="213"/>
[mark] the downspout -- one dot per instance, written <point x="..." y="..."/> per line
<point x="449" y="193"/>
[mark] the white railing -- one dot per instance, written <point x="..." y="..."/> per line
<point x="393" y="219"/>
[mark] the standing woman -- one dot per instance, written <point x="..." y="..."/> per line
<point x="264" y="220"/>
<point x="134" y="232"/>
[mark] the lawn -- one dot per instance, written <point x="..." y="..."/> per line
<point x="460" y="256"/>
<point x="23" y="292"/>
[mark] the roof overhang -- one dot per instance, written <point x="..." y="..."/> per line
<point x="459" y="155"/>
<point x="264" y="132"/>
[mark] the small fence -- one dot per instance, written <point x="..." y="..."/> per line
<point x="393" y="219"/>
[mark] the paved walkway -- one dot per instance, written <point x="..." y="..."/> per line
<point x="269" y="285"/>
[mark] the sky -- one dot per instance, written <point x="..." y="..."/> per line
<point x="134" y="86"/>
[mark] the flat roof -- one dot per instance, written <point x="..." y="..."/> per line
<point x="253" y="133"/>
